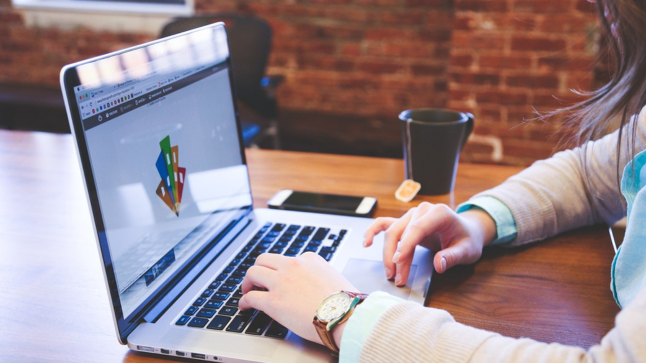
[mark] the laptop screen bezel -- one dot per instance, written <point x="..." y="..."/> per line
<point x="70" y="80"/>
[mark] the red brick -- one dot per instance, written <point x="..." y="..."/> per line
<point x="412" y="17"/>
<point x="464" y="40"/>
<point x="566" y="23"/>
<point x="388" y="34"/>
<point x="458" y="95"/>
<point x="537" y="44"/>
<point x="542" y="6"/>
<point x="380" y="67"/>
<point x="378" y="2"/>
<point x="10" y="17"/>
<point x="425" y="70"/>
<point x="461" y="60"/>
<point x="480" y="5"/>
<point x="426" y="3"/>
<point x="502" y="61"/>
<point x="406" y="49"/>
<point x="475" y="78"/>
<point x="501" y="97"/>
<point x="565" y="63"/>
<point x="435" y="35"/>
<point x="464" y="21"/>
<point x="524" y="22"/>
<point x="550" y="82"/>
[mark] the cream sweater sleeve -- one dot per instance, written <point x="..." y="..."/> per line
<point x="408" y="332"/>
<point x="573" y="188"/>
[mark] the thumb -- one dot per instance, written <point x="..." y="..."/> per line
<point x="451" y="256"/>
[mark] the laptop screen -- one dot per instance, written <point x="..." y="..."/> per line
<point x="161" y="135"/>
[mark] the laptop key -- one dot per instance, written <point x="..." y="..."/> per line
<point x="233" y="302"/>
<point x="198" y="322"/>
<point x="286" y="238"/>
<point x="200" y="301"/>
<point x="326" y="255"/>
<point x="183" y="320"/>
<point x="278" y="227"/>
<point x="227" y="288"/>
<point x="219" y="322"/>
<point x="310" y="249"/>
<point x="228" y="310"/>
<point x="321" y="233"/>
<point x="206" y="313"/>
<point x="259" y="323"/>
<point x="238" y="293"/>
<point x="293" y="227"/>
<point x="276" y="250"/>
<point x="221" y="277"/>
<point x="307" y="230"/>
<point x="292" y="251"/>
<point x="191" y="310"/>
<point x="213" y="304"/>
<point x="221" y="295"/>
<point x="273" y="234"/>
<point x="276" y="331"/>
<point x="280" y="244"/>
<point x="207" y="293"/>
<point x="314" y="243"/>
<point x="228" y="269"/>
<point x="248" y="312"/>
<point x="215" y="284"/>
<point x="234" y="280"/>
<point x="239" y="323"/>
<point x="330" y="249"/>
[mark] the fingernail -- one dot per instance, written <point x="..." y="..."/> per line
<point x="389" y="273"/>
<point x="396" y="257"/>
<point x="365" y="243"/>
<point x="443" y="264"/>
<point x="398" y="280"/>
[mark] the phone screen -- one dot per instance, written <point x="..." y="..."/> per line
<point x="323" y="201"/>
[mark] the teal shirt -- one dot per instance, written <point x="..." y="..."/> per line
<point x="628" y="266"/>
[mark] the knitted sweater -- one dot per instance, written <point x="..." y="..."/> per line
<point x="573" y="188"/>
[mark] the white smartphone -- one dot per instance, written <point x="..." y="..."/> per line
<point x="323" y="203"/>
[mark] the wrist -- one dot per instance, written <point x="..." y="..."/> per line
<point x="337" y="333"/>
<point x="482" y="225"/>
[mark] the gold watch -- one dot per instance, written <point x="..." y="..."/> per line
<point x="334" y="310"/>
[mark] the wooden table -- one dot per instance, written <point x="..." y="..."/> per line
<point x="54" y="307"/>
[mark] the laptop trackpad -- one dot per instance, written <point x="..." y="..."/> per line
<point x="369" y="275"/>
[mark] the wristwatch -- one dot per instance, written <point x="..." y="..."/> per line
<point x="334" y="310"/>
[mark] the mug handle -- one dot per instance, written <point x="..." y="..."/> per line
<point x="468" y="130"/>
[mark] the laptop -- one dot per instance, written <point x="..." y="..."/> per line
<point x="159" y="143"/>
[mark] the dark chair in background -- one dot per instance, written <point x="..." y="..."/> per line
<point x="249" y="47"/>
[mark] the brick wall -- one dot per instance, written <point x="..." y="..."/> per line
<point x="512" y="57"/>
<point x="366" y="60"/>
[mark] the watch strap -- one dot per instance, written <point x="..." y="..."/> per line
<point x="324" y="329"/>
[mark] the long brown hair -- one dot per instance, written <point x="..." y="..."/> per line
<point x="623" y="25"/>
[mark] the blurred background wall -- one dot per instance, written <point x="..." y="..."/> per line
<point x="352" y="65"/>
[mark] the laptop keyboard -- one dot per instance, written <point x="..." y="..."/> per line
<point x="216" y="307"/>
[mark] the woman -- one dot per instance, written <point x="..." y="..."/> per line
<point x="577" y="187"/>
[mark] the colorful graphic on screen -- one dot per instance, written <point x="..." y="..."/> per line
<point x="172" y="175"/>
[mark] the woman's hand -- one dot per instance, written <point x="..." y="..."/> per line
<point x="457" y="238"/>
<point x="295" y="286"/>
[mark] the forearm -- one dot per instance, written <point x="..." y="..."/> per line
<point x="408" y="332"/>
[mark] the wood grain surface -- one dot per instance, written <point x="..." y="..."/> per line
<point x="54" y="307"/>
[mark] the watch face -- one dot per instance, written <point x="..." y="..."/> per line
<point x="333" y="307"/>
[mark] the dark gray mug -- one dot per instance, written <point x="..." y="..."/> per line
<point x="433" y="139"/>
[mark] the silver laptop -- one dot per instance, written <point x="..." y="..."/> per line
<point x="160" y="146"/>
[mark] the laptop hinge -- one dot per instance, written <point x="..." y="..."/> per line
<point x="164" y="303"/>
